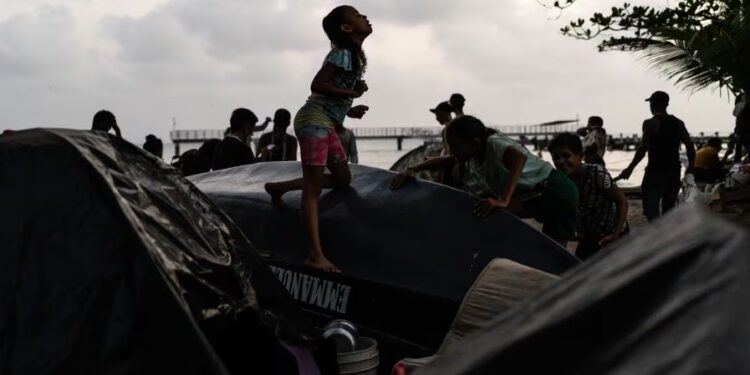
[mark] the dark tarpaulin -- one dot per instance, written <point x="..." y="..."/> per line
<point x="671" y="299"/>
<point x="112" y="263"/>
<point x="423" y="237"/>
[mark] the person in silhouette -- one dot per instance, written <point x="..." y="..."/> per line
<point x="154" y="145"/>
<point x="742" y="127"/>
<point x="198" y="161"/>
<point x="105" y="121"/>
<point x="594" y="140"/>
<point x="708" y="165"/>
<point x="233" y="150"/>
<point x="349" y="142"/>
<point x="334" y="88"/>
<point x="443" y="115"/>
<point x="278" y="145"/>
<point x="457" y="102"/>
<point x="662" y="135"/>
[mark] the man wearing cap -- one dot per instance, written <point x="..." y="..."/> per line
<point x="662" y="135"/>
<point x="443" y="115"/>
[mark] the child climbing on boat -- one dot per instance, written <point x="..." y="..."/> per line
<point x="507" y="176"/>
<point x="602" y="208"/>
<point x="335" y="86"/>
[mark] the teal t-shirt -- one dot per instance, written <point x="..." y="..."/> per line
<point x="491" y="178"/>
<point x="332" y="107"/>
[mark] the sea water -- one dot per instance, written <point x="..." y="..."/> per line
<point x="382" y="153"/>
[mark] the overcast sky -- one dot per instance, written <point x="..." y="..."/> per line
<point x="196" y="60"/>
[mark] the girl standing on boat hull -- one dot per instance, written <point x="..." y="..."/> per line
<point x="333" y="89"/>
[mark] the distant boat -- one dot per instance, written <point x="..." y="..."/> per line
<point x="418" y="155"/>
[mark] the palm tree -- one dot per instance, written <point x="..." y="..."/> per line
<point x="698" y="43"/>
<point x="715" y="55"/>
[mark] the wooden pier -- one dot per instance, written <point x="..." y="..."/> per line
<point x="535" y="135"/>
<point x="525" y="133"/>
<point x="630" y="143"/>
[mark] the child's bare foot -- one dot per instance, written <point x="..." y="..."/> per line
<point x="272" y="190"/>
<point x="323" y="264"/>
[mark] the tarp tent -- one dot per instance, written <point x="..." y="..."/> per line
<point x="112" y="263"/>
<point x="671" y="299"/>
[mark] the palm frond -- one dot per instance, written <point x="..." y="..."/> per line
<point x="714" y="56"/>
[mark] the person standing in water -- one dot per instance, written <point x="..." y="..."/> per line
<point x="334" y="88"/>
<point x="662" y="135"/>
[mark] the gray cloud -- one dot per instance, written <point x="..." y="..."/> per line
<point x="234" y="29"/>
<point x="197" y="60"/>
<point x="37" y="44"/>
<point x="410" y="12"/>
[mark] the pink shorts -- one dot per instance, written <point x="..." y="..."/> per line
<point x="319" y="145"/>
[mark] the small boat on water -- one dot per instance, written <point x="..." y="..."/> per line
<point x="426" y="151"/>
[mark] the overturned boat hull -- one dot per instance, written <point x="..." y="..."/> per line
<point x="408" y="256"/>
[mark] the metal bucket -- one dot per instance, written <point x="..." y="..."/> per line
<point x="363" y="360"/>
<point x="344" y="335"/>
<point x="341" y="323"/>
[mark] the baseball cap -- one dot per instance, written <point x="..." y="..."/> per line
<point x="444" y="106"/>
<point x="659" y="97"/>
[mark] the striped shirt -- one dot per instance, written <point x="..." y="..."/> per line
<point x="597" y="213"/>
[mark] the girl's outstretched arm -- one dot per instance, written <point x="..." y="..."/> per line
<point x="439" y="162"/>
<point x="323" y="84"/>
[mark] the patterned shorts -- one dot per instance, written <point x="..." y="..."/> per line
<point x="319" y="145"/>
